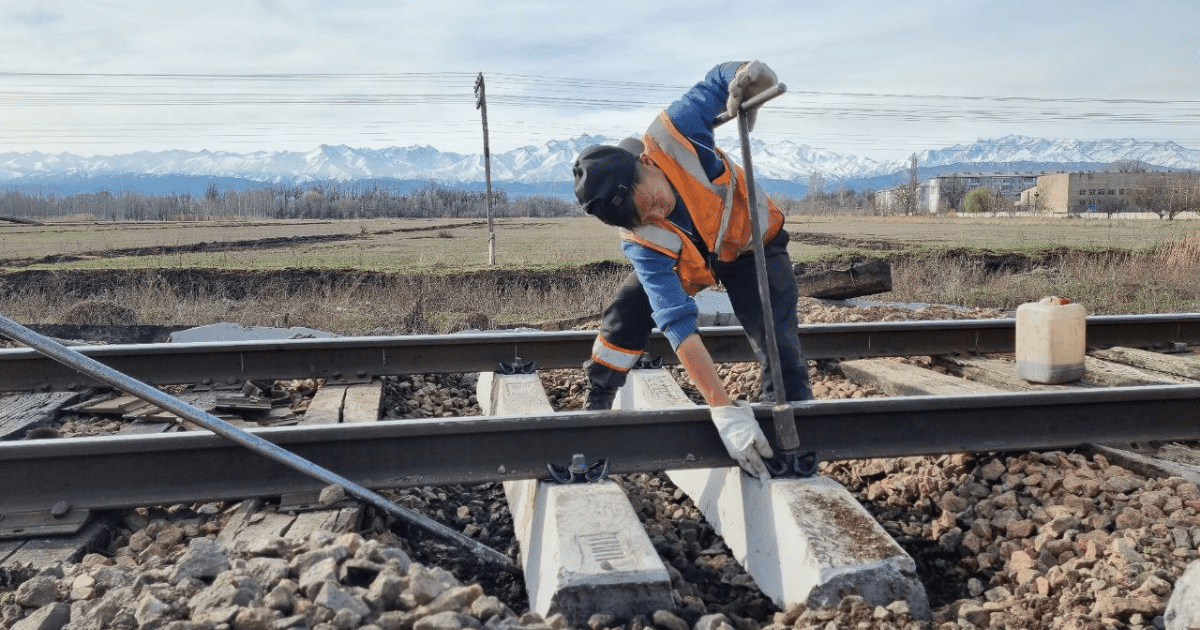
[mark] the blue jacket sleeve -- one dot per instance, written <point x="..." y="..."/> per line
<point x="675" y="311"/>
<point x="695" y="112"/>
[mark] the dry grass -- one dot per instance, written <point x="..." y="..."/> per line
<point x="344" y="303"/>
<point x="386" y="279"/>
<point x="1165" y="278"/>
<point x="1181" y="256"/>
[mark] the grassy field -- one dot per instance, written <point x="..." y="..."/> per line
<point x="438" y="246"/>
<point x="1004" y="233"/>
<point x="428" y="275"/>
<point x="426" y="246"/>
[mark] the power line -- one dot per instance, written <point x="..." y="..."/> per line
<point x="296" y="105"/>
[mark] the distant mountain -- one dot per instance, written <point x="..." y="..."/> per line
<point x="783" y="167"/>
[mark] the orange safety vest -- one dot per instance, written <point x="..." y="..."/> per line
<point x="719" y="209"/>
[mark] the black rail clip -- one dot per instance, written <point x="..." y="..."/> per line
<point x="793" y="465"/>
<point x="579" y="471"/>
<point x="518" y="367"/>
<point x="646" y="363"/>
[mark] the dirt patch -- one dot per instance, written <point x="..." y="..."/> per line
<point x="240" y="285"/>
<point x="811" y="238"/>
<point x="435" y="231"/>
<point x="915" y="253"/>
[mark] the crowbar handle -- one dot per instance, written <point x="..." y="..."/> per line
<point x="753" y="103"/>
<point x="782" y="413"/>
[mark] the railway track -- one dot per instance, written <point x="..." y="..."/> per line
<point x="353" y="359"/>
<point x="199" y="466"/>
<point x="196" y="466"/>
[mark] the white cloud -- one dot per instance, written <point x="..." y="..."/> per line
<point x="430" y="51"/>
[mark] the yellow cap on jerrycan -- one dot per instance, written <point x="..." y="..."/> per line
<point x="1051" y="340"/>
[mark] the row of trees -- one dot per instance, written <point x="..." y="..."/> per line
<point x="325" y="201"/>
<point x="839" y="201"/>
<point x="1165" y="198"/>
<point x="356" y="201"/>
<point x="1168" y="201"/>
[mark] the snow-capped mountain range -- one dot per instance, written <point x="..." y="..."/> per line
<point x="546" y="169"/>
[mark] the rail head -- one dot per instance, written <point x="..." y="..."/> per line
<point x="347" y="359"/>
<point x="199" y="466"/>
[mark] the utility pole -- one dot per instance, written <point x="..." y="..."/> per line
<point x="481" y="105"/>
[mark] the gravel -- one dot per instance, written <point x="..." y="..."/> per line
<point x="1007" y="540"/>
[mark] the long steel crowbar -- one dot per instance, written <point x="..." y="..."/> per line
<point x="784" y="417"/>
<point x="123" y="382"/>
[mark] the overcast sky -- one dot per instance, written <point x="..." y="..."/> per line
<point x="873" y="78"/>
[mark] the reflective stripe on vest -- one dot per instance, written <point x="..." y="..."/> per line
<point x="668" y="239"/>
<point x="714" y="205"/>
<point x="616" y="358"/>
<point x="661" y="239"/>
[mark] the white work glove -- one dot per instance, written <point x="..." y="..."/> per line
<point x="743" y="437"/>
<point x="749" y="81"/>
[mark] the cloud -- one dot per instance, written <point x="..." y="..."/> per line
<point x="418" y="59"/>
<point x="35" y="17"/>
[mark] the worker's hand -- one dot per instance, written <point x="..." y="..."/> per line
<point x="749" y="81"/>
<point x="743" y="437"/>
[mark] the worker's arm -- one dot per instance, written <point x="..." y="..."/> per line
<point x="743" y="438"/>
<point x="694" y="113"/>
<point x="725" y="87"/>
<point x="674" y="312"/>
<point x="699" y="365"/>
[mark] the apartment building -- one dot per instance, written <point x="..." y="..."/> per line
<point x="945" y="193"/>
<point x="1103" y="191"/>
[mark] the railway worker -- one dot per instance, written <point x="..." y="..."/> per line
<point x="684" y="230"/>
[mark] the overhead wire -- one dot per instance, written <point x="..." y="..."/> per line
<point x="441" y="105"/>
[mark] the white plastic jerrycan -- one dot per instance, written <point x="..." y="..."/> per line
<point x="1051" y="340"/>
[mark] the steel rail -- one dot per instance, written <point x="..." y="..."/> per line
<point x="353" y="358"/>
<point x="162" y="469"/>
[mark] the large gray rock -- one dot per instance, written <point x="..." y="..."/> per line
<point x="151" y="612"/>
<point x="111" y="611"/>
<point x="317" y="575"/>
<point x="1183" y="610"/>
<point x="38" y="592"/>
<point x="267" y="572"/>
<point x="302" y="563"/>
<point x="203" y="559"/>
<point x="49" y="617"/>
<point x="217" y="603"/>
<point x="337" y="598"/>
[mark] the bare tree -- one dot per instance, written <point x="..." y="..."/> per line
<point x="951" y="191"/>
<point x="1151" y="197"/>
<point x="816" y="183"/>
<point x="1181" y="195"/>
<point x="1128" y="166"/>
<point x="816" y="193"/>
<point x="911" y="198"/>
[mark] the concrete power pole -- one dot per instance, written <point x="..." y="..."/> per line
<point x="481" y="105"/>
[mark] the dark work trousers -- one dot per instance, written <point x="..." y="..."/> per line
<point x="629" y="319"/>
